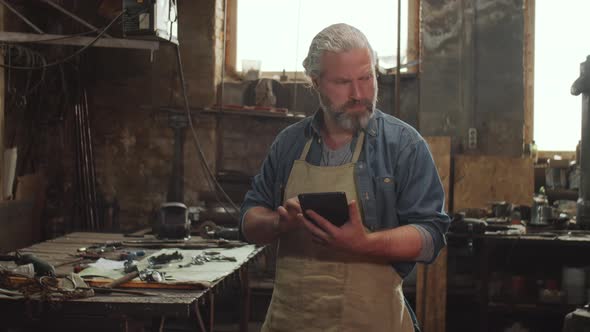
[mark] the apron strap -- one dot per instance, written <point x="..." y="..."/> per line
<point x="359" y="147"/>
<point x="305" y="150"/>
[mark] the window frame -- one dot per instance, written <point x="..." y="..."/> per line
<point x="413" y="38"/>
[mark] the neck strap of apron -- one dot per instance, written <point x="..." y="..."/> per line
<point x="357" y="149"/>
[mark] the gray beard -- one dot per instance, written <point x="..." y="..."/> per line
<point x="345" y="120"/>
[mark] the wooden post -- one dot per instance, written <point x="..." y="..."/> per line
<point x="431" y="294"/>
<point x="431" y="280"/>
<point x="529" y="70"/>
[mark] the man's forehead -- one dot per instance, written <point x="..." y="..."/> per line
<point x="351" y="61"/>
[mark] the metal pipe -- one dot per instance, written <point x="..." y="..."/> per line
<point x="583" y="205"/>
<point x="84" y="185"/>
<point x="91" y="167"/>
<point x="582" y="85"/>
<point x="77" y="220"/>
<point x="72" y="15"/>
<point x="84" y="223"/>
<point x="21" y="16"/>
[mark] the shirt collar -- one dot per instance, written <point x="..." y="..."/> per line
<point x="318" y="117"/>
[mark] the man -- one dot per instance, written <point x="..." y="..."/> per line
<point x="346" y="278"/>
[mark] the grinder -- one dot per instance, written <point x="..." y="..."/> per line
<point x="582" y="86"/>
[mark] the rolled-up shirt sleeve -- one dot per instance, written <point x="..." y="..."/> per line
<point x="420" y="194"/>
<point x="262" y="192"/>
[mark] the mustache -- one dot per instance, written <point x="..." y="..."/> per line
<point x="365" y="102"/>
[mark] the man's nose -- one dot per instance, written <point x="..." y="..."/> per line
<point x="355" y="91"/>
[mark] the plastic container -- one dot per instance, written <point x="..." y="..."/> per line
<point x="251" y="69"/>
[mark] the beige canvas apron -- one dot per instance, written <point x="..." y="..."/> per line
<point x="321" y="289"/>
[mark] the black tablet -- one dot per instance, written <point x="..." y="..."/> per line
<point x="333" y="206"/>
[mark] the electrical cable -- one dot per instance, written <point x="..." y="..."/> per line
<point x="71" y="56"/>
<point x="211" y="181"/>
<point x="32" y="57"/>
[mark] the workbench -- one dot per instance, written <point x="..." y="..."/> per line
<point x="509" y="270"/>
<point x="121" y="312"/>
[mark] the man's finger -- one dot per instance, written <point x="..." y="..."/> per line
<point x="282" y="212"/>
<point x="312" y="228"/>
<point x="353" y="212"/>
<point x="293" y="205"/>
<point x="322" y="222"/>
<point x="318" y="240"/>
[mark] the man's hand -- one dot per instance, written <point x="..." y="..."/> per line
<point x="351" y="236"/>
<point x="288" y="215"/>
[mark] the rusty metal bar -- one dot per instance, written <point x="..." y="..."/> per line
<point x="72" y="15"/>
<point x="21" y="16"/>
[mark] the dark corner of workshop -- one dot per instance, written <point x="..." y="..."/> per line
<point x="160" y="161"/>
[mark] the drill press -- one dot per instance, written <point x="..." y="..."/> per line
<point x="173" y="220"/>
<point x="582" y="86"/>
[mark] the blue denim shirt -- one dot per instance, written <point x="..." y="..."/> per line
<point x="397" y="181"/>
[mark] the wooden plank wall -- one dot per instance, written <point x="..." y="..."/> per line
<point x="480" y="180"/>
<point x="431" y="281"/>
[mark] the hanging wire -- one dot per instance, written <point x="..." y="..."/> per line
<point x="209" y="176"/>
<point x="71" y="56"/>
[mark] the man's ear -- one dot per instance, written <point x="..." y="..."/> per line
<point x="315" y="81"/>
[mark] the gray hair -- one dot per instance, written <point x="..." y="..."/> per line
<point x="335" y="38"/>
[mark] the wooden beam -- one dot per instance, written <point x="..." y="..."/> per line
<point x="21" y="37"/>
<point x="431" y="294"/>
<point x="529" y="71"/>
<point x="231" y="34"/>
<point x="413" y="35"/>
<point x="431" y="280"/>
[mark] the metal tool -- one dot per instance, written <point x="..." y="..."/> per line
<point x="208" y="256"/>
<point x="162" y="259"/>
<point x="126" y="278"/>
<point x="173" y="221"/>
<point x="150" y="275"/>
<point x="99" y="248"/>
<point x="42" y="268"/>
<point x="209" y="230"/>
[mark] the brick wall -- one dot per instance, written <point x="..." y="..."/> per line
<point x="133" y="143"/>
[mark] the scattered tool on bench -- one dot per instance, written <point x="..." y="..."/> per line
<point x="42" y="268"/>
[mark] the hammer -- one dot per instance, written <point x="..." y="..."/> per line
<point x="132" y="273"/>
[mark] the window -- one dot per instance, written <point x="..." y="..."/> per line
<point x="560" y="47"/>
<point x="278" y="32"/>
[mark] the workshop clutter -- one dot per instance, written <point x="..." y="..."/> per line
<point x="116" y="266"/>
<point x="34" y="278"/>
<point x="572" y="289"/>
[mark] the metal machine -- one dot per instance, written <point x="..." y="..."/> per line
<point x="582" y="86"/>
<point x="173" y="221"/>
<point x="151" y="18"/>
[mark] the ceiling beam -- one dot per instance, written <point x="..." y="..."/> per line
<point x="21" y="37"/>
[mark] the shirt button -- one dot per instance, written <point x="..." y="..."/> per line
<point x="361" y="166"/>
